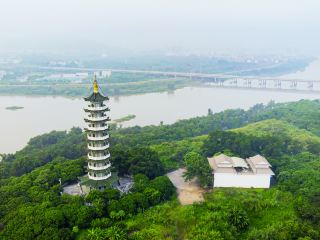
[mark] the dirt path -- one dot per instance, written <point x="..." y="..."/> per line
<point x="72" y="189"/>
<point x="188" y="192"/>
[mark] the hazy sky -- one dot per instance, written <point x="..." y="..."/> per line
<point x="207" y="25"/>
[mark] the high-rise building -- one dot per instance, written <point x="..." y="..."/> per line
<point x="97" y="138"/>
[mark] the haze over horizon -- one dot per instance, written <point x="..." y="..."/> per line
<point x="246" y="26"/>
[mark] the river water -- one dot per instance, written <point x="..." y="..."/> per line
<point x="44" y="114"/>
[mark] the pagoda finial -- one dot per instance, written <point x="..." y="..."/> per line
<point x="95" y="84"/>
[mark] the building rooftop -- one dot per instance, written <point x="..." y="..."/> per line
<point x="253" y="165"/>
<point x="259" y="161"/>
<point x="259" y="165"/>
<point x="239" y="162"/>
<point x="96" y="97"/>
<point x="220" y="161"/>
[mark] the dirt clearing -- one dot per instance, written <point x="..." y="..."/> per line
<point x="188" y="192"/>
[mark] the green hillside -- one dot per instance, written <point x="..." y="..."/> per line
<point x="32" y="206"/>
<point x="273" y="127"/>
<point x="303" y="114"/>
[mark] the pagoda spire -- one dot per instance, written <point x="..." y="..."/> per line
<point x="95" y="84"/>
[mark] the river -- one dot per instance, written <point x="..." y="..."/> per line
<point x="44" y="114"/>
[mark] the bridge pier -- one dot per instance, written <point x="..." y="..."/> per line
<point x="234" y="82"/>
<point x="277" y="84"/>
<point x="294" y="84"/>
<point x="262" y="83"/>
<point x="247" y="83"/>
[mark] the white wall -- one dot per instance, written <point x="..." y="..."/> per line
<point x="243" y="181"/>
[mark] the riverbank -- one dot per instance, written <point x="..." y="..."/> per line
<point x="134" y="83"/>
<point x="44" y="114"/>
<point x="113" y="89"/>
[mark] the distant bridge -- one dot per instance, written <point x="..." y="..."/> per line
<point x="221" y="80"/>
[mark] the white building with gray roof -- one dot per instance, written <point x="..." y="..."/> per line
<point x="253" y="172"/>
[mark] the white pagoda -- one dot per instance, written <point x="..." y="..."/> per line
<point x="98" y="139"/>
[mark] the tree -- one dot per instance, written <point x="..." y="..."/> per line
<point x="100" y="223"/>
<point x="94" y="194"/>
<point x="116" y="216"/>
<point x="96" y="234"/>
<point x="164" y="186"/>
<point x="146" y="161"/>
<point x="238" y="218"/>
<point x="115" y="233"/>
<point x="197" y="166"/>
<point x="205" y="234"/>
<point x="140" y="182"/>
<point x="111" y="194"/>
<point x="119" y="159"/>
<point x="153" y="196"/>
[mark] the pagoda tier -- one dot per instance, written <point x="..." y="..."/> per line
<point x="95" y="118"/>
<point x="92" y="136"/>
<point x="92" y="108"/>
<point x="97" y="137"/>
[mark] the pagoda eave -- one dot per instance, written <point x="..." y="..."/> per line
<point x="97" y="120"/>
<point x="97" y="110"/>
<point x="96" y="97"/>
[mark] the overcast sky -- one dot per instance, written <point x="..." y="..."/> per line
<point x="260" y="26"/>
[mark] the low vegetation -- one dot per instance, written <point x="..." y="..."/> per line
<point x="14" y="108"/>
<point x="125" y="119"/>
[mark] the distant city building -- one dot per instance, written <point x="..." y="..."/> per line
<point x="58" y="63"/>
<point x="106" y="74"/>
<point x="97" y="137"/>
<point x="2" y="74"/>
<point x="253" y="172"/>
<point x="103" y="74"/>
<point x="82" y="74"/>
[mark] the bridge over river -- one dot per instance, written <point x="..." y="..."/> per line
<point x="221" y="80"/>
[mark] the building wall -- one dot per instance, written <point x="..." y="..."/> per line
<point x="243" y="181"/>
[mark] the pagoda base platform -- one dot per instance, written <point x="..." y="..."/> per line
<point x="89" y="184"/>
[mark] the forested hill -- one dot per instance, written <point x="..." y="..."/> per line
<point x="41" y="150"/>
<point x="303" y="114"/>
<point x="288" y="134"/>
<point x="303" y="140"/>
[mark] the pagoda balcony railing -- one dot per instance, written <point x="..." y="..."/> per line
<point x="102" y="147"/>
<point x="100" y="138"/>
<point x="97" y="119"/>
<point x="97" y="158"/>
<point x="103" y="108"/>
<point x="100" y="167"/>
<point x="100" y="178"/>
<point x="97" y="128"/>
